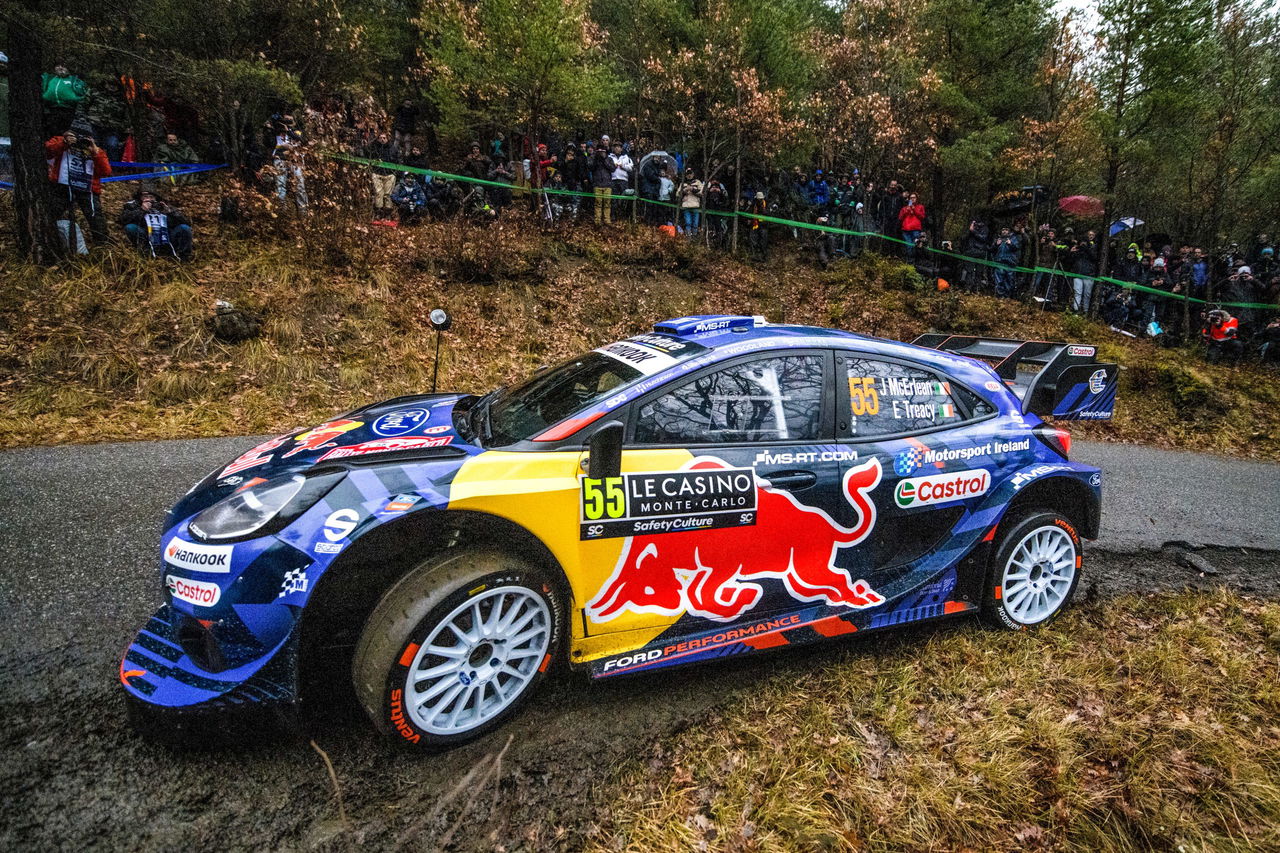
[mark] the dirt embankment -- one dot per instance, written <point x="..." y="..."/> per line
<point x="120" y="348"/>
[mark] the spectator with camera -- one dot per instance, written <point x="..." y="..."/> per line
<point x="1005" y="249"/>
<point x="503" y="172"/>
<point x="410" y="199"/>
<point x="155" y="227"/>
<point x="1084" y="263"/>
<point x="977" y="245"/>
<point x="911" y="222"/>
<point x="691" y="190"/>
<point x="620" y="168"/>
<point x="76" y="169"/>
<point x="1220" y="334"/>
<point x="602" y="183"/>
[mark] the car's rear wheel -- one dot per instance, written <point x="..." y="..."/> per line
<point x="456" y="647"/>
<point x="1034" y="572"/>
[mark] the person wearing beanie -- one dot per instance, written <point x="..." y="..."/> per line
<point x="76" y="169"/>
<point x="155" y="227"/>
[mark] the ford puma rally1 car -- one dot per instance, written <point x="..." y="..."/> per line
<point x="716" y="487"/>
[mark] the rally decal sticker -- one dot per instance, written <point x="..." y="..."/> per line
<point x="196" y="557"/>
<point x="711" y="573"/>
<point x="639" y="659"/>
<point x="324" y="435"/>
<point x="259" y="455"/>
<point x="694" y="498"/>
<point x="650" y="354"/>
<point x="942" y="488"/>
<point x="385" y="445"/>
<point x="908" y="460"/>
<point x="397" y="423"/>
<point x="199" y="593"/>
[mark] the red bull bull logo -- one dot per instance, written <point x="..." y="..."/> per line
<point x="321" y="436"/>
<point x="711" y="573"/>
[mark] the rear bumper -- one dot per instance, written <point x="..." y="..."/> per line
<point x="156" y="671"/>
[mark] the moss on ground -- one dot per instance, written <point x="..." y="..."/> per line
<point x="1145" y="724"/>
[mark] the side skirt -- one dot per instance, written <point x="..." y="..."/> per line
<point x="800" y="627"/>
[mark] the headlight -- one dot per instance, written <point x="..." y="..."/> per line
<point x="247" y="511"/>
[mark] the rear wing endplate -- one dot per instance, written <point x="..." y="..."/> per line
<point x="1050" y="377"/>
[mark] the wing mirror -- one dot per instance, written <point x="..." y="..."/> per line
<point x="604" y="451"/>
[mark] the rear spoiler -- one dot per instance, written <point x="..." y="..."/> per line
<point x="1051" y="378"/>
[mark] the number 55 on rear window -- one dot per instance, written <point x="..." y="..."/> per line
<point x="863" y="398"/>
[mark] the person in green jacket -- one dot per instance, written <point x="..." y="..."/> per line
<point x="63" y="94"/>
<point x="175" y="150"/>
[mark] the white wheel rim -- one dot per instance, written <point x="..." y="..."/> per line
<point x="1038" y="575"/>
<point x="478" y="660"/>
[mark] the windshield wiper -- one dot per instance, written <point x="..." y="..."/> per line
<point x="487" y="423"/>
<point x="478" y="415"/>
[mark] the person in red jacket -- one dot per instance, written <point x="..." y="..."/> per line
<point x="911" y="219"/>
<point x="1220" y="334"/>
<point x="76" y="169"/>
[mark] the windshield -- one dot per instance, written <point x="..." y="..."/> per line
<point x="552" y="396"/>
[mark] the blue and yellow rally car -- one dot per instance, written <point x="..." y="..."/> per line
<point x="716" y="487"/>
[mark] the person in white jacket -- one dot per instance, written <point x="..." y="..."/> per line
<point x="623" y="166"/>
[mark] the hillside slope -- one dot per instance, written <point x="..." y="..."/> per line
<point x="120" y="348"/>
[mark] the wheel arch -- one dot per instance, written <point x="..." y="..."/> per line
<point x="1066" y="495"/>
<point x="351" y="587"/>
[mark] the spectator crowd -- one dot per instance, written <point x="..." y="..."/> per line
<point x="603" y="179"/>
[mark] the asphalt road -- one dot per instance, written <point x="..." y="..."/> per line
<point x="79" y="528"/>
<point x="79" y="525"/>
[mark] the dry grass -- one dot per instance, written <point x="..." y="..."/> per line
<point x="1150" y="723"/>
<point x="119" y="348"/>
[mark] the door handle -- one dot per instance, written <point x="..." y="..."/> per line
<point x="792" y="480"/>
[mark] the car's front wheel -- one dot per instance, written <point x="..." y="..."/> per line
<point x="456" y="646"/>
<point x="1034" y="572"/>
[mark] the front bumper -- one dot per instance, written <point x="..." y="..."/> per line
<point x="158" y="671"/>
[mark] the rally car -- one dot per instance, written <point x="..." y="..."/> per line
<point x="715" y="487"/>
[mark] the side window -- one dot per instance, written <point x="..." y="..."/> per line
<point x="769" y="399"/>
<point x="978" y="407"/>
<point x="888" y="399"/>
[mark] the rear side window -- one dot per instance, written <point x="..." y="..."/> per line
<point x="886" y="398"/>
<point x="768" y="399"/>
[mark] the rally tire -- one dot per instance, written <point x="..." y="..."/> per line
<point x="499" y="619"/>
<point x="1034" y="572"/>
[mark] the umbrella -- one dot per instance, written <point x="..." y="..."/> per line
<point x="1125" y="224"/>
<point x="1081" y="205"/>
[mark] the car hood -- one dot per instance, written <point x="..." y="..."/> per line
<point x="396" y="430"/>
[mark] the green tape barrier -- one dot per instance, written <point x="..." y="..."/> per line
<point x="435" y="173"/>
<point x="810" y="226"/>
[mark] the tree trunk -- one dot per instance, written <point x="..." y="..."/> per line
<point x="37" y="235"/>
